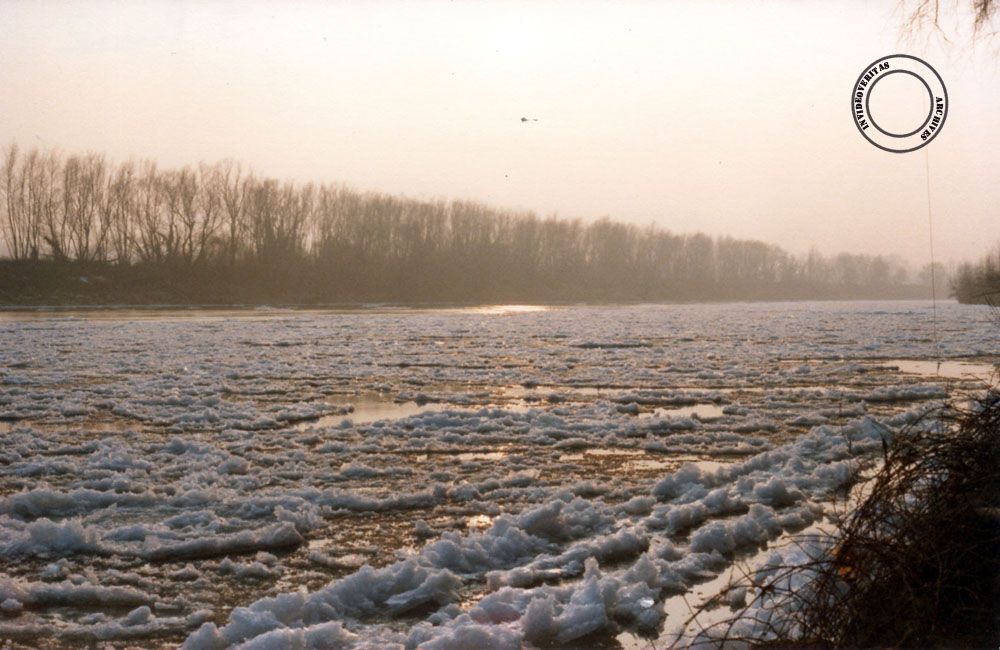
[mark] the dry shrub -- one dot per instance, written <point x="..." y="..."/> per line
<point x="916" y="563"/>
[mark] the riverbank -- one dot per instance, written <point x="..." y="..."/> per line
<point x="44" y="283"/>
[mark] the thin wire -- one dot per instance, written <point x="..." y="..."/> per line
<point x="930" y="233"/>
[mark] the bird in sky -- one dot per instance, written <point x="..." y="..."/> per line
<point x="529" y="119"/>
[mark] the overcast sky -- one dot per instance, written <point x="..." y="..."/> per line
<point x="722" y="117"/>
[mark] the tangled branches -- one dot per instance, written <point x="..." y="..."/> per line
<point x="916" y="563"/>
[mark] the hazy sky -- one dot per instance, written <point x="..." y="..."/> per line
<point x="722" y="117"/>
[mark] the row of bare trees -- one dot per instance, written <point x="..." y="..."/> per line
<point x="366" y="245"/>
<point x="84" y="209"/>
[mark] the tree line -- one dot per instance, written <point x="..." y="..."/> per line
<point x="255" y="238"/>
<point x="979" y="282"/>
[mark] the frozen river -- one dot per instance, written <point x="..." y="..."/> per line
<point x="487" y="477"/>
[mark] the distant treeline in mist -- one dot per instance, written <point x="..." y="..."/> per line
<point x="978" y="282"/>
<point x="82" y="229"/>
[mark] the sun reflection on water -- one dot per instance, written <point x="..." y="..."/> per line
<point x="504" y="310"/>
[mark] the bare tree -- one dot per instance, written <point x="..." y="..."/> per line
<point x="121" y="207"/>
<point x="209" y="213"/>
<point x="149" y="219"/>
<point x="234" y="185"/>
<point x="51" y="225"/>
<point x="922" y="16"/>
<point x="16" y="219"/>
<point x="87" y="226"/>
